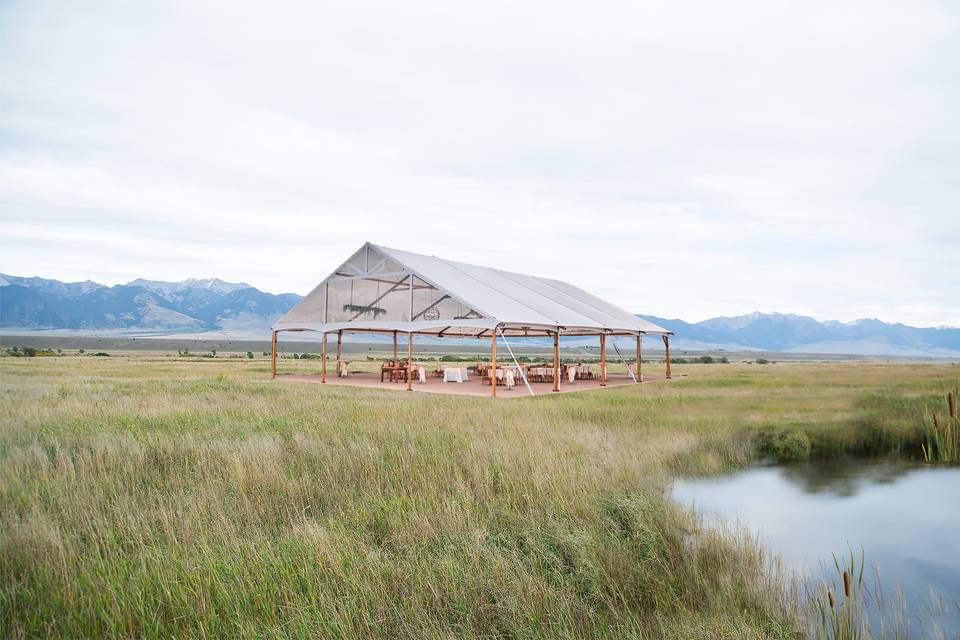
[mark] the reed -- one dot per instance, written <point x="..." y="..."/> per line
<point x="848" y="608"/>
<point x="943" y="434"/>
<point x="844" y="616"/>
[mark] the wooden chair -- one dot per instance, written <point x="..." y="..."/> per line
<point x="386" y="367"/>
<point x="486" y="379"/>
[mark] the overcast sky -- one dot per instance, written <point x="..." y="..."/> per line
<point x="681" y="159"/>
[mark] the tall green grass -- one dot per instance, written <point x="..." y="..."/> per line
<point x="144" y="497"/>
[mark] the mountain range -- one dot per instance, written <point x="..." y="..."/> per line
<point x="789" y="333"/>
<point x="206" y="306"/>
<point x="140" y="306"/>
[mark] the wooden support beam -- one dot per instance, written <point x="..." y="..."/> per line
<point x="603" y="360"/>
<point x="339" y="340"/>
<point x="666" y="347"/>
<point x="273" y="356"/>
<point x="323" y="360"/>
<point x="394" y="347"/>
<point x="409" y="361"/>
<point x="556" y="361"/>
<point x="639" y="359"/>
<point x="493" y="365"/>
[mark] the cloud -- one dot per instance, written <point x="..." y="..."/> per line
<point x="679" y="159"/>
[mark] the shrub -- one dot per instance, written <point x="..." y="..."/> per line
<point x="102" y="354"/>
<point x="786" y="446"/>
<point x="449" y="358"/>
<point x="250" y="355"/>
<point x="705" y="360"/>
<point x="762" y="361"/>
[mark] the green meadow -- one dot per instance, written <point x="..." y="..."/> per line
<point x="149" y="496"/>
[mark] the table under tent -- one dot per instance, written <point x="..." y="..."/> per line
<point x="398" y="293"/>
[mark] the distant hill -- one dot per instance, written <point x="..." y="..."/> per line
<point x="140" y="306"/>
<point x="204" y="306"/>
<point x="801" y="334"/>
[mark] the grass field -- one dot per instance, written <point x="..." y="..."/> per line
<point x="150" y="496"/>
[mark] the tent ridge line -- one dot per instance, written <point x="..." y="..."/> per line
<point x="547" y="282"/>
<point x="488" y="286"/>
<point x="508" y="275"/>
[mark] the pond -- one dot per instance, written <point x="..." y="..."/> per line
<point x="905" y="516"/>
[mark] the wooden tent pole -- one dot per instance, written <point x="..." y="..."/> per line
<point x="639" y="372"/>
<point x="409" y="361"/>
<point x="493" y="364"/>
<point x="339" y="340"/>
<point x="273" y="356"/>
<point x="394" y="347"/>
<point x="603" y="359"/>
<point x="666" y="347"/>
<point x="556" y="361"/>
<point x="323" y="359"/>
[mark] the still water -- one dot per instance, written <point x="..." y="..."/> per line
<point x="905" y="516"/>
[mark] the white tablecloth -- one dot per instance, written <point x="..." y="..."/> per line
<point x="455" y="374"/>
<point x="508" y="375"/>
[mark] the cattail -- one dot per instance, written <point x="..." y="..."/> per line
<point x="936" y="423"/>
<point x="952" y="404"/>
<point x="830" y="599"/>
<point x="846" y="584"/>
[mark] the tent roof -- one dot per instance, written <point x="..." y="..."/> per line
<point x="513" y="302"/>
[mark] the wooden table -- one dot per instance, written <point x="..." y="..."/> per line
<point x="396" y="373"/>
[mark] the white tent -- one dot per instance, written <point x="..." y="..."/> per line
<point x="379" y="289"/>
<point x="383" y="289"/>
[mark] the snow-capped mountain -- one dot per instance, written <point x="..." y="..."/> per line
<point x="195" y="305"/>
<point x="212" y="284"/>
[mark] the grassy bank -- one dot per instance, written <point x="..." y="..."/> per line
<point x="148" y="497"/>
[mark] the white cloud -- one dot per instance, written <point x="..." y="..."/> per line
<point x="682" y="159"/>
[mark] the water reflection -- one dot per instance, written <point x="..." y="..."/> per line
<point x="844" y="477"/>
<point x="904" y="515"/>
